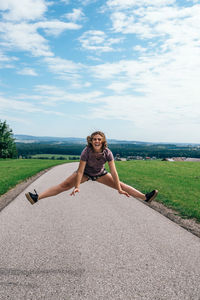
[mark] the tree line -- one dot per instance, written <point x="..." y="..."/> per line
<point x="124" y="150"/>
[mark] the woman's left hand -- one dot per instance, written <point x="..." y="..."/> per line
<point x="75" y="190"/>
<point x="124" y="193"/>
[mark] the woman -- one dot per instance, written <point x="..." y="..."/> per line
<point x="91" y="167"/>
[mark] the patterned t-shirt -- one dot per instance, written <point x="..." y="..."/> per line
<point x="95" y="161"/>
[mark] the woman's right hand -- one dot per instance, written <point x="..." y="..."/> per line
<point x="75" y="190"/>
<point x="124" y="193"/>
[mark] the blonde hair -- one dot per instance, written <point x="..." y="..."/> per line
<point x="90" y="137"/>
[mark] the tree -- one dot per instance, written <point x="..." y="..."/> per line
<point x="7" y="142"/>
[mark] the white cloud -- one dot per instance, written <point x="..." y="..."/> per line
<point x="126" y="4"/>
<point x="20" y="28"/>
<point x="176" y="30"/>
<point x="163" y="23"/>
<point x="167" y="85"/>
<point x="24" y="37"/>
<point x="25" y="10"/>
<point x="121" y="69"/>
<point x="146" y="120"/>
<point x="119" y="87"/>
<point x="94" y="58"/>
<point x="3" y="57"/>
<point x="6" y="61"/>
<point x="154" y="118"/>
<point x="56" y="27"/>
<point x="169" y="73"/>
<point x="48" y="90"/>
<point x="27" y="71"/>
<point x="87" y="2"/>
<point x="96" y="40"/>
<point x="54" y="94"/>
<point x="76" y="15"/>
<point x="139" y="49"/>
<point x="14" y="119"/>
<point x="8" y="104"/>
<point x="65" y="1"/>
<point x="73" y="73"/>
<point x="87" y="84"/>
<point x="63" y="67"/>
<point x="127" y="24"/>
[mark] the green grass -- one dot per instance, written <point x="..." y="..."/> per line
<point x="56" y="156"/>
<point x="178" y="183"/>
<point x="14" y="171"/>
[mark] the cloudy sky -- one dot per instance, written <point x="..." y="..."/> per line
<point x="130" y="68"/>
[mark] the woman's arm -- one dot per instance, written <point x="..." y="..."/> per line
<point x="79" y="176"/>
<point x="115" y="177"/>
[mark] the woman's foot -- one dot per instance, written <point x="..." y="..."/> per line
<point x="32" y="198"/>
<point x="150" y="196"/>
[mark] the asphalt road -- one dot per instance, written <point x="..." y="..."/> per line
<point x="97" y="245"/>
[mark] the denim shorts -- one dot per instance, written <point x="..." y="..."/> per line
<point x="94" y="178"/>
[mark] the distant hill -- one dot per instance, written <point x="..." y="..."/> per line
<point x="21" y="138"/>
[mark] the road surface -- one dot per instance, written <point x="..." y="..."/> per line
<point x="97" y="245"/>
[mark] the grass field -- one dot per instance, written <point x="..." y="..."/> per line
<point x="56" y="156"/>
<point x="178" y="183"/>
<point x="14" y="171"/>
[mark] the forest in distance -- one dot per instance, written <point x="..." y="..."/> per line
<point x="159" y="151"/>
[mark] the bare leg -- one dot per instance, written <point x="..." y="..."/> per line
<point x="66" y="185"/>
<point x="108" y="180"/>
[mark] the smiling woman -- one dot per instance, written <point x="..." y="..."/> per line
<point x="91" y="167"/>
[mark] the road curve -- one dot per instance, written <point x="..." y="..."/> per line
<point x="97" y="245"/>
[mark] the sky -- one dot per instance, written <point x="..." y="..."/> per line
<point x="130" y="68"/>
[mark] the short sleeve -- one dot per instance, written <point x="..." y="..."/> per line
<point x="109" y="155"/>
<point x="84" y="154"/>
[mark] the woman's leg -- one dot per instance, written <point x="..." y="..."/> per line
<point x="108" y="180"/>
<point x="66" y="185"/>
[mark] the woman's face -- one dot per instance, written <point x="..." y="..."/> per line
<point x="97" y="142"/>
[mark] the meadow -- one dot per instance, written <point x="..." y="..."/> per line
<point x="14" y="171"/>
<point x="55" y="156"/>
<point x="178" y="182"/>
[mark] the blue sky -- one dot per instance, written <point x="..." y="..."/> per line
<point x="130" y="68"/>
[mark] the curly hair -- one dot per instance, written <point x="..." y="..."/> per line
<point x="90" y="137"/>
